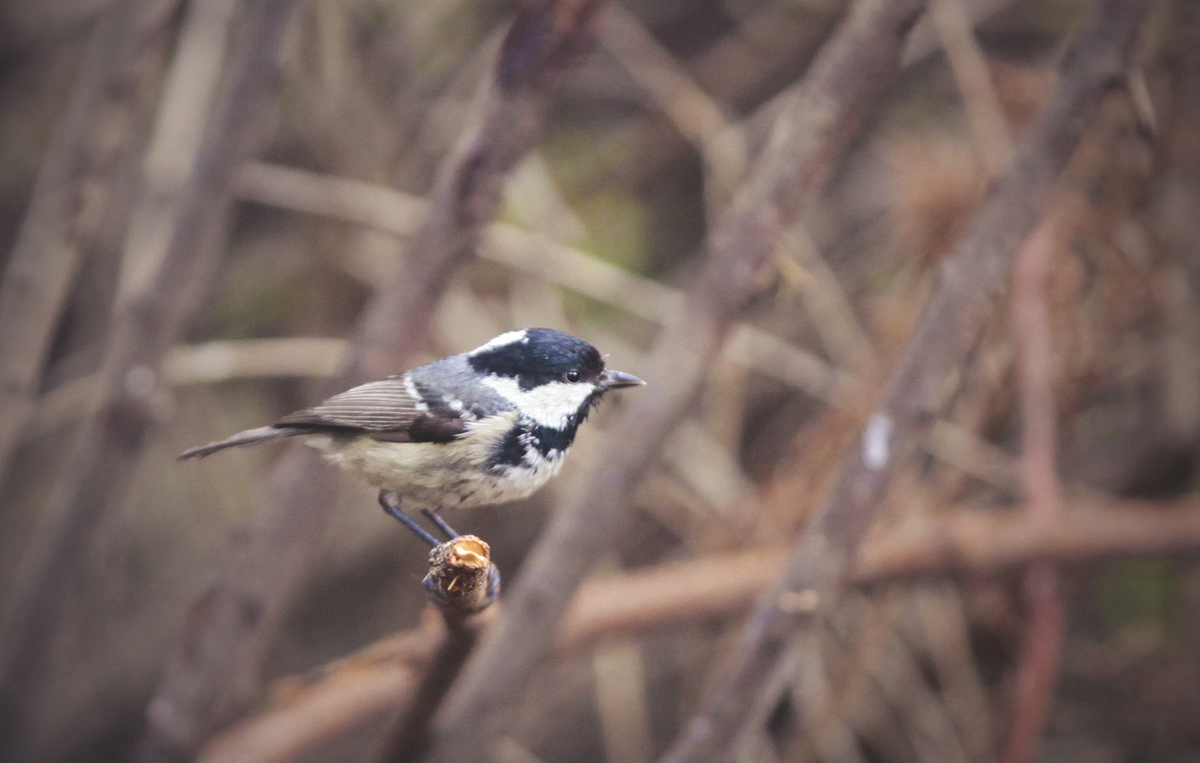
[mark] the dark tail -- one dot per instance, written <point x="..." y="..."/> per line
<point x="249" y="437"/>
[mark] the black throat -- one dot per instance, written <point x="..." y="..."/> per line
<point x="529" y="435"/>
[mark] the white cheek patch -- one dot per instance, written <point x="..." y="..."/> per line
<point x="507" y="338"/>
<point x="550" y="405"/>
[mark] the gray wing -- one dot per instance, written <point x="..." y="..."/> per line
<point x="390" y="410"/>
<point x="432" y="403"/>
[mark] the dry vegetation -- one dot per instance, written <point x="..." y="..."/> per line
<point x="913" y="478"/>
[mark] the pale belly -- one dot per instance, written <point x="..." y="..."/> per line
<point x="439" y="476"/>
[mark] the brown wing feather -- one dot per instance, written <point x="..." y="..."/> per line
<point x="385" y="410"/>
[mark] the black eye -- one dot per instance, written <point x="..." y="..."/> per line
<point x="572" y="376"/>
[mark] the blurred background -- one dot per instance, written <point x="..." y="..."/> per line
<point x="312" y="205"/>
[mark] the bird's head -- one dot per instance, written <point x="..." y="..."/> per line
<point x="552" y="377"/>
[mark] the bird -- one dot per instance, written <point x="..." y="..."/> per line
<point x="487" y="426"/>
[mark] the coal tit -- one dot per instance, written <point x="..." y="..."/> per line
<point x="487" y="426"/>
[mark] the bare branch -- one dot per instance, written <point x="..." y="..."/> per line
<point x="1037" y="672"/>
<point x="828" y="108"/>
<point x="99" y="470"/>
<point x="916" y="393"/>
<point x="697" y="116"/>
<point x="218" y="669"/>
<point x="462" y="582"/>
<point x="965" y="542"/>
<point x="974" y="83"/>
<point x="123" y="58"/>
<point x="304" y="712"/>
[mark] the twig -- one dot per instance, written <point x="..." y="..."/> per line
<point x="202" y="363"/>
<point x="321" y="357"/>
<point x="697" y="116"/>
<point x="976" y="543"/>
<point x="841" y="85"/>
<point x="99" y="470"/>
<point x="123" y="57"/>
<point x="897" y="676"/>
<point x="177" y="140"/>
<point x="984" y="112"/>
<point x="945" y="629"/>
<point x="966" y="543"/>
<point x="217" y="670"/>
<point x="619" y="673"/>
<point x="820" y="563"/>
<point x="250" y="358"/>
<point x="462" y="580"/>
<point x="828" y="732"/>
<point x="308" y="711"/>
<point x="461" y="583"/>
<point x="1037" y="671"/>
<point x="825" y="301"/>
<point x="730" y="71"/>
<point x="409" y="731"/>
<point x="735" y="67"/>
<point x="389" y="210"/>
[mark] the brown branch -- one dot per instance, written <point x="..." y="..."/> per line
<point x="88" y="152"/>
<point x="409" y="731"/>
<point x="1037" y="672"/>
<point x="916" y="392"/>
<point x="305" y="712"/>
<point x="462" y="583"/>
<point x="735" y="67"/>
<point x="980" y="101"/>
<point x="99" y="470"/>
<point x="534" y="253"/>
<point x="358" y="690"/>
<point x="217" y="670"/>
<point x="828" y="109"/>
<point x="697" y="116"/>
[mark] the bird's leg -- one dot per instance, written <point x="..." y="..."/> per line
<point x="390" y="502"/>
<point x="440" y="523"/>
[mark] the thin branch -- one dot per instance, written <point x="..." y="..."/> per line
<point x="619" y="674"/>
<point x="217" y="670"/>
<point x="984" y="112"/>
<point x="916" y="393"/>
<point x="409" y="730"/>
<point x="123" y="58"/>
<point x="966" y="543"/>
<point x="896" y="674"/>
<point x="386" y="209"/>
<point x="945" y="630"/>
<point x="840" y="87"/>
<point x="99" y="470"/>
<point x="825" y="301"/>
<point x="177" y="140"/>
<point x="462" y="582"/>
<point x="305" y="712"/>
<point x="253" y="358"/>
<point x="1037" y="671"/>
<point x="537" y="254"/>
<point x="697" y="116"/>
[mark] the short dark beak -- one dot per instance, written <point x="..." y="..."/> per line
<point x="615" y="380"/>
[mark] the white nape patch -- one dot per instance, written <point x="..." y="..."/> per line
<point x="550" y="405"/>
<point x="509" y="337"/>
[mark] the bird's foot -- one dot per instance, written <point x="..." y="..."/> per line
<point x="390" y="502"/>
<point x="440" y="523"/>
